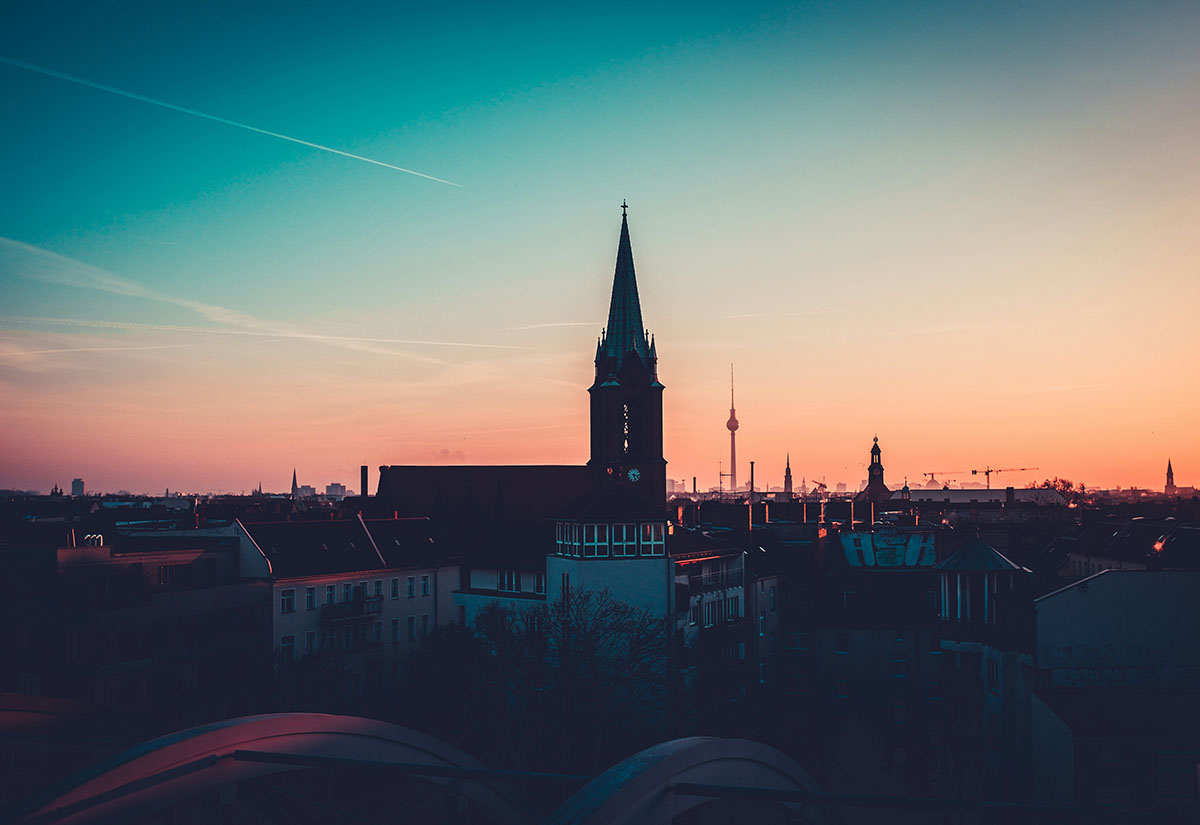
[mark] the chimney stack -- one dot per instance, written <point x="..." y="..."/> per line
<point x="362" y="490"/>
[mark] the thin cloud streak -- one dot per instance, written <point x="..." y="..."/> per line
<point x="558" y="324"/>
<point x="132" y="326"/>
<point x="154" y="102"/>
<point x="38" y="264"/>
<point x="785" y="314"/>
<point x="24" y="352"/>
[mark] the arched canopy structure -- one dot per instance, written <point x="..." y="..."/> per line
<point x="641" y="789"/>
<point x="190" y="762"/>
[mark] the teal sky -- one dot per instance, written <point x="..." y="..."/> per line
<point x="968" y="227"/>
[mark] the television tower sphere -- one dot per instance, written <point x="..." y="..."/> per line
<point x="732" y="423"/>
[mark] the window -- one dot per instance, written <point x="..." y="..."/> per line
<point x="395" y="629"/>
<point x="412" y="587"/>
<point x="378" y="633"/>
<point x="424" y="585"/>
<point x="842" y="642"/>
<point x="363" y="592"/>
<point x="733" y="608"/>
<point x="310" y="642"/>
<point x="595" y="540"/>
<point x="899" y="666"/>
<point x="993" y="677"/>
<point x="310" y="598"/>
<point x="762" y="623"/>
<point x="695" y="615"/>
<point x="379" y="588"/>
<point x="329" y="639"/>
<point x="347" y="592"/>
<point x="287" y="648"/>
<point x="425" y="624"/>
<point x="710" y="614"/>
<point x="330" y="590"/>
<point x="395" y="588"/>
<point x="539" y="582"/>
<point x="412" y="628"/>
<point x="772" y="598"/>
<point x="574" y="539"/>
<point x="624" y="540"/>
<point x="508" y="580"/>
<point x="287" y="602"/>
<point x="558" y="538"/>
<point x="652" y="540"/>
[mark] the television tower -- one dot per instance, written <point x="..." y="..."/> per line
<point x="732" y="424"/>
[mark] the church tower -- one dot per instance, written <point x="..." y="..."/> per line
<point x="626" y="396"/>
<point x="876" y="489"/>
<point x="1170" y="489"/>
<point x="787" y="477"/>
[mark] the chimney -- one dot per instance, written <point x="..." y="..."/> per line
<point x="1010" y="497"/>
<point x="362" y="490"/>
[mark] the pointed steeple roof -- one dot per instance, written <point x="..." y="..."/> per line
<point x="625" y="331"/>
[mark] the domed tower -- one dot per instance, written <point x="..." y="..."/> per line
<point x="732" y="424"/>
<point x="626" y="396"/>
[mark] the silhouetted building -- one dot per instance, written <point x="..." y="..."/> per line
<point x="626" y="442"/>
<point x="77" y="488"/>
<point x="876" y="491"/>
<point x="1170" y="489"/>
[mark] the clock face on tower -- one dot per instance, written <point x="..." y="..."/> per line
<point x="634" y="475"/>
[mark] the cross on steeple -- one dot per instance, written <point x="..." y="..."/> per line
<point x="624" y="206"/>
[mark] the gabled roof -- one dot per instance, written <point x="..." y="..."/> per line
<point x="314" y="548"/>
<point x="625" y="331"/>
<point x="1138" y="539"/>
<point x="611" y="502"/>
<point x="978" y="556"/>
<point x="406" y="542"/>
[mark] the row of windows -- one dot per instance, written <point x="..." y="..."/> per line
<point x="592" y="541"/>
<point x="350" y="638"/>
<point x="509" y="581"/>
<point x="717" y="611"/>
<point x="287" y="598"/>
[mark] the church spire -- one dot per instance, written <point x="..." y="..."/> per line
<point x="625" y="331"/>
<point x="295" y="487"/>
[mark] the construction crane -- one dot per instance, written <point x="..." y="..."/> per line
<point x="930" y="475"/>
<point x="987" y="472"/>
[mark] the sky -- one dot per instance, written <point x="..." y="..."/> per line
<point x="968" y="228"/>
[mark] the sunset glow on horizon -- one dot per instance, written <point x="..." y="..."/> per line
<point x="971" y="232"/>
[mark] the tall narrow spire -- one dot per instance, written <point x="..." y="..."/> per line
<point x="295" y="487"/>
<point x="625" y="331"/>
<point x="732" y="424"/>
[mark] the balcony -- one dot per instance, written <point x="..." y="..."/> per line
<point x="717" y="580"/>
<point x="360" y="609"/>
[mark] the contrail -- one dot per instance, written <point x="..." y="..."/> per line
<point x="152" y="101"/>
<point x="308" y="336"/>
<point x="19" y="353"/>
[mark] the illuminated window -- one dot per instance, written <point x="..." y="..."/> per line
<point x="624" y="540"/>
<point x="653" y="543"/>
<point x="595" y="540"/>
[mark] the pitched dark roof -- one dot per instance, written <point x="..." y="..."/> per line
<point x="1137" y="540"/>
<point x="1123" y="712"/>
<point x="625" y="331"/>
<point x="978" y="556"/>
<point x="515" y="494"/>
<point x="685" y="541"/>
<point x="611" y="501"/>
<point x="314" y="548"/>
<point x="407" y="542"/>
<point x="1181" y="549"/>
